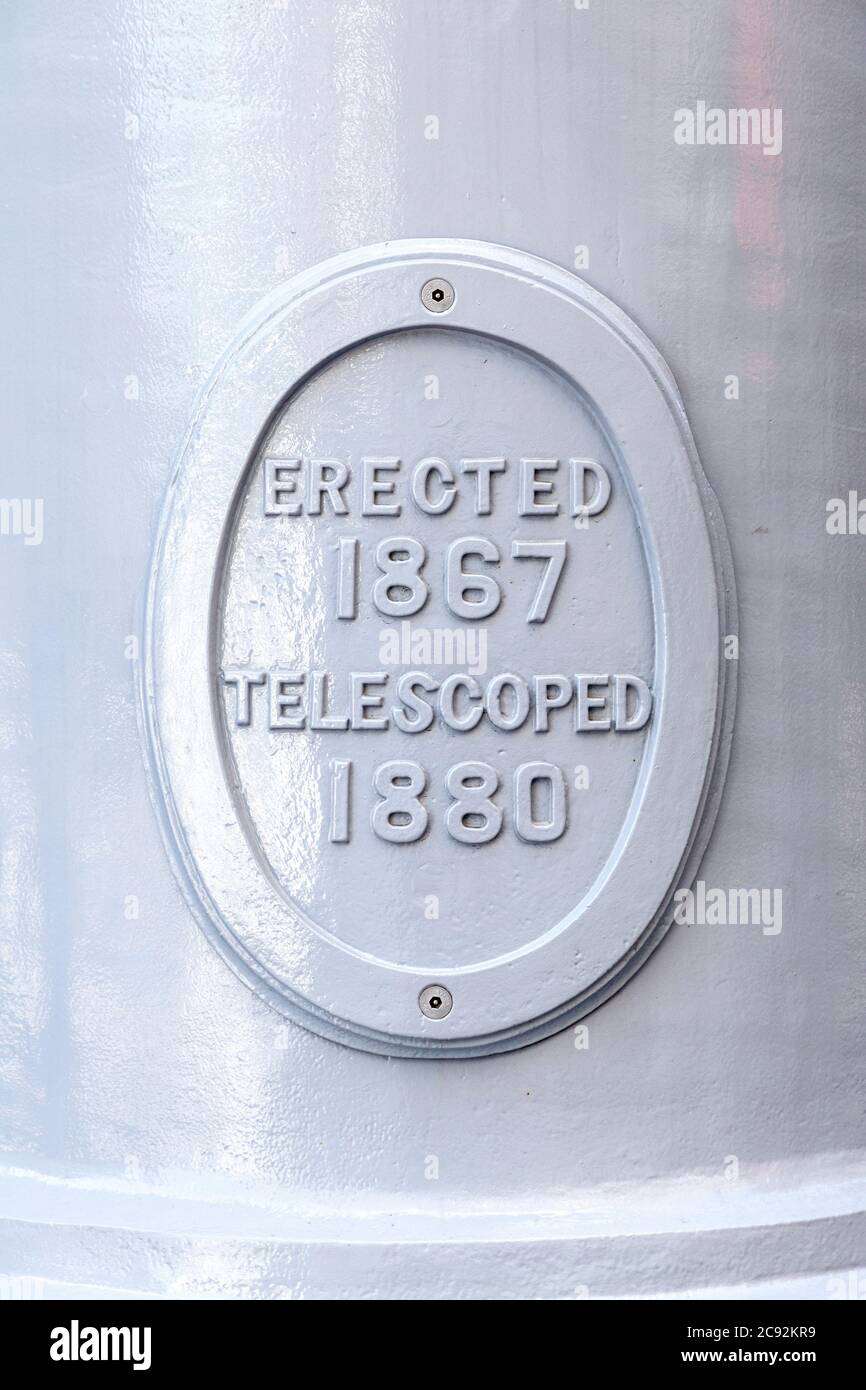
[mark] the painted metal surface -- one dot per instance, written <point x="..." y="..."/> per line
<point x="165" y="1130"/>
<point x="336" y="726"/>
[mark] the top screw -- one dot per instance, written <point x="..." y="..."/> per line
<point x="437" y="296"/>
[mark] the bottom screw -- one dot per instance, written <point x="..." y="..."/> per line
<point x="435" y="1001"/>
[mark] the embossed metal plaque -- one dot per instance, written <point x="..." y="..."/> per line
<point x="435" y="681"/>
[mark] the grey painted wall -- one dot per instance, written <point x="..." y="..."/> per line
<point x="164" y="1130"/>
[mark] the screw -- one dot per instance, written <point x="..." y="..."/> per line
<point x="437" y="296"/>
<point x="435" y="1001"/>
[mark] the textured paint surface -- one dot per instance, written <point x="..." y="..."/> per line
<point x="162" y="1129"/>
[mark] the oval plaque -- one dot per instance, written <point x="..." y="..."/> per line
<point x="435" y="687"/>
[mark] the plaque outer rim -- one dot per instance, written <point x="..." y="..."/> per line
<point x="337" y="304"/>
